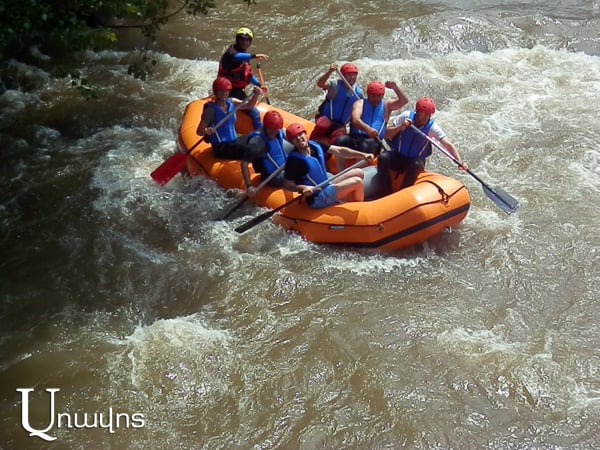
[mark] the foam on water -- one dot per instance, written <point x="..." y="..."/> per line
<point x="587" y="171"/>
<point x="363" y="265"/>
<point x="169" y="343"/>
<point x="478" y="343"/>
<point x="519" y="368"/>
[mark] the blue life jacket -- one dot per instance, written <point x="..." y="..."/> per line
<point x="372" y="116"/>
<point x="338" y="108"/>
<point x="410" y="143"/>
<point x="275" y="156"/>
<point x="226" y="132"/>
<point x="316" y="165"/>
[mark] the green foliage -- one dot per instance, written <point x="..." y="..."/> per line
<point x="60" y="30"/>
<point x="142" y="67"/>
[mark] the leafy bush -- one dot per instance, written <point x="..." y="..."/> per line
<point x="52" y="34"/>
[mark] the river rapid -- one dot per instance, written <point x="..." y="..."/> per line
<point x="165" y="329"/>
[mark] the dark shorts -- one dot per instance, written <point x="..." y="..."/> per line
<point x="361" y="143"/>
<point x="231" y="150"/>
<point x="393" y="161"/>
<point x="401" y="163"/>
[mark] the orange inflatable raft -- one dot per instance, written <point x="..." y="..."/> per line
<point x="406" y="217"/>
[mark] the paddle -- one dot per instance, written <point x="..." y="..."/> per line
<point x="499" y="196"/>
<point x="264" y="216"/>
<point x="262" y="80"/>
<point x="175" y="164"/>
<point x="382" y="142"/>
<point x="246" y="196"/>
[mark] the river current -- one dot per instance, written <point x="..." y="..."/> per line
<point x="165" y="329"/>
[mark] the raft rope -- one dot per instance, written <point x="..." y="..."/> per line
<point x="445" y="197"/>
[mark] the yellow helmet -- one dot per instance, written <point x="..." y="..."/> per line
<point x="244" y="31"/>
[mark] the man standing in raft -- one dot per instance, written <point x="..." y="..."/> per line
<point x="235" y="66"/>
<point x="334" y="112"/>
<point x="305" y="169"/>
<point x="408" y="148"/>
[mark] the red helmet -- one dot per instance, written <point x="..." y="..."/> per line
<point x="376" y="88"/>
<point x="425" y="105"/>
<point x="348" y="68"/>
<point x="221" y="84"/>
<point x="273" y="120"/>
<point x="294" y="130"/>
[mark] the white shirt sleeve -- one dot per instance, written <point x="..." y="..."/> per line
<point x="400" y="118"/>
<point x="436" y="132"/>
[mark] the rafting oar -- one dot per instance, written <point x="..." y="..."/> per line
<point x="175" y="164"/>
<point x="262" y="80"/>
<point x="246" y="196"/>
<point x="382" y="142"/>
<point x="499" y="196"/>
<point x="264" y="216"/>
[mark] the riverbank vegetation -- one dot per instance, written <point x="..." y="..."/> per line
<point x="52" y="35"/>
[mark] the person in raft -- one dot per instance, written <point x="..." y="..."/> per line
<point x="369" y="117"/>
<point x="224" y="141"/>
<point x="334" y="111"/>
<point x="408" y="148"/>
<point x="268" y="152"/>
<point x="305" y="169"/>
<point x="235" y="66"/>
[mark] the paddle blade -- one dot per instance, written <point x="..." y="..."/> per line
<point x="167" y="170"/>
<point x="503" y="199"/>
